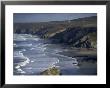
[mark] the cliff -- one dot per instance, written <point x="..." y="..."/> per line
<point x="80" y="33"/>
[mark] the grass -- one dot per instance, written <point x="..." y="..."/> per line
<point x="93" y="36"/>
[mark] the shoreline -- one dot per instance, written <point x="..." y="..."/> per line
<point x="87" y="62"/>
<point x="87" y="58"/>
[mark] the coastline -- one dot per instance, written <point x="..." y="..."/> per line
<point x="87" y="62"/>
<point x="87" y="59"/>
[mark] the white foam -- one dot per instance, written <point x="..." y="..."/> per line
<point x="17" y="66"/>
<point x="24" y="45"/>
<point x="32" y="48"/>
<point x="23" y="49"/>
<point x="18" y="54"/>
<point x="36" y="39"/>
<point x="20" y="71"/>
<point x="32" y="61"/>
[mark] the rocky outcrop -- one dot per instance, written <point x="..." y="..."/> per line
<point x="83" y="43"/>
<point x="51" y="71"/>
<point x="87" y="41"/>
<point x="78" y="37"/>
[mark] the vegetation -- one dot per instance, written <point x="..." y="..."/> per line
<point x="51" y="71"/>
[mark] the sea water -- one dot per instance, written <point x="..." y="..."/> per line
<point x="33" y="55"/>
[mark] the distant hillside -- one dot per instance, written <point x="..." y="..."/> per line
<point x="79" y="33"/>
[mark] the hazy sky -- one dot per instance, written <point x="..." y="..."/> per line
<point x="44" y="17"/>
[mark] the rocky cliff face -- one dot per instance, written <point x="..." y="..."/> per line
<point x="81" y="33"/>
<point x="78" y="37"/>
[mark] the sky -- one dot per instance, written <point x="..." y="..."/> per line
<point x="45" y="17"/>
